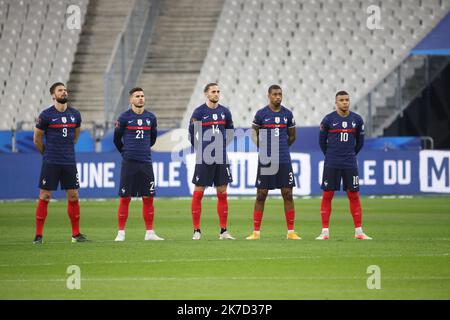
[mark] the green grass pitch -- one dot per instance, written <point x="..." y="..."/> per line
<point x="411" y="247"/>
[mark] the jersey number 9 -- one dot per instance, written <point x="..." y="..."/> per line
<point x="64" y="132"/>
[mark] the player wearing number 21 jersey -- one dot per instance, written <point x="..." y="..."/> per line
<point x="134" y="135"/>
<point x="341" y="138"/>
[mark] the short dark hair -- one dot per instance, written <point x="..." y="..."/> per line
<point x="136" y="89"/>
<point x="342" y="93"/>
<point x="56" y="84"/>
<point x="209" y="85"/>
<point x="274" y="87"/>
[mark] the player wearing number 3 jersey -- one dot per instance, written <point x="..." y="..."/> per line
<point x="134" y="135"/>
<point x="341" y="138"/>
<point x="273" y="133"/>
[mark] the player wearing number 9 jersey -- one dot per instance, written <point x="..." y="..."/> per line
<point x="341" y="138"/>
<point x="60" y="124"/>
<point x="134" y="135"/>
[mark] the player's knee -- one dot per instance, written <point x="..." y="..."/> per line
<point x="72" y="197"/>
<point x="353" y="195"/>
<point x="221" y="190"/>
<point x="287" y="195"/>
<point x="328" y="195"/>
<point x="261" y="196"/>
<point x="45" y="196"/>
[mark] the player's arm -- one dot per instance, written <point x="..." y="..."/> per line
<point x="191" y="130"/>
<point x="291" y="129"/>
<point x="77" y="128"/>
<point x="118" y="134"/>
<point x="323" y="137"/>
<point x="291" y="135"/>
<point x="229" y="129"/>
<point x="77" y="135"/>
<point x="359" y="138"/>
<point x="38" y="139"/>
<point x="256" y="126"/>
<point x="153" y="133"/>
<point x="194" y="125"/>
<point x="255" y="134"/>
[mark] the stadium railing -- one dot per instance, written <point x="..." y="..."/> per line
<point x="128" y="56"/>
<point x="402" y="91"/>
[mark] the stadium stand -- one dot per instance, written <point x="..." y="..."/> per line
<point x="179" y="45"/>
<point x="312" y="49"/>
<point x="104" y="21"/>
<point x="37" y="49"/>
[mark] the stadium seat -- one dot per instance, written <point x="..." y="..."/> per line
<point x="318" y="46"/>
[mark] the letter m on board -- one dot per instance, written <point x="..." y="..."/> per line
<point x="440" y="172"/>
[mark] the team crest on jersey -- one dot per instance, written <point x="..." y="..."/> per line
<point x="222" y="115"/>
<point x="72" y="118"/>
<point x="285" y="120"/>
<point x="344" y="124"/>
<point x="139" y="122"/>
<point x="277" y="120"/>
<point x="353" y="124"/>
<point x="64" y="120"/>
<point x="215" y="116"/>
<point x="148" y="121"/>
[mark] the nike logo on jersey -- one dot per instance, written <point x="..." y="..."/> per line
<point x="266" y="120"/>
<point x="335" y="124"/>
<point x="205" y="117"/>
<point x="54" y="119"/>
<point x="130" y="121"/>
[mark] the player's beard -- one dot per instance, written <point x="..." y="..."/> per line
<point x="62" y="100"/>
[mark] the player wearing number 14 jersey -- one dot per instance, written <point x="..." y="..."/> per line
<point x="341" y="138"/>
<point x="134" y="135"/>
<point x="210" y="129"/>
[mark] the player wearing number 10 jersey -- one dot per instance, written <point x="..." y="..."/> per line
<point x="134" y="135"/>
<point x="341" y="138"/>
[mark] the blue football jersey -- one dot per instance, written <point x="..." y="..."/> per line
<point x="341" y="138"/>
<point x="214" y="124"/>
<point x="135" y="134"/>
<point x="59" y="130"/>
<point x="274" y="127"/>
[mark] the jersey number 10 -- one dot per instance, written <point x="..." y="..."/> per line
<point x="344" y="136"/>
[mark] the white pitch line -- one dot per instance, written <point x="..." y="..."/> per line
<point x="171" y="241"/>
<point x="49" y="264"/>
<point x="406" y="278"/>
